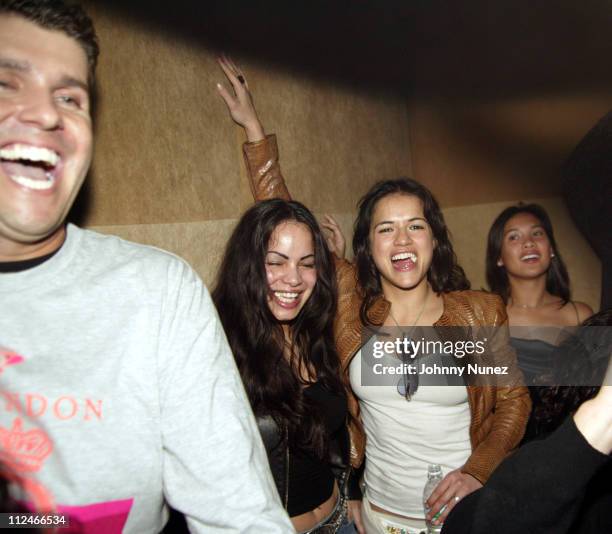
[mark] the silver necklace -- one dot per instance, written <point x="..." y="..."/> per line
<point x="407" y="386"/>
<point x="527" y="306"/>
<point x="418" y="316"/>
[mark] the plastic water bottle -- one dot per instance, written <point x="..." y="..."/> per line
<point x="434" y="477"/>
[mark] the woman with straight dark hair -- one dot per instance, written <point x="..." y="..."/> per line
<point x="405" y="273"/>
<point x="524" y="266"/>
<point x="276" y="297"/>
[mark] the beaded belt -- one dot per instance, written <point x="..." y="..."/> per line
<point x="332" y="523"/>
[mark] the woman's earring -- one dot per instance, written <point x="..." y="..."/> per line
<point x="500" y="263"/>
<point x="552" y="254"/>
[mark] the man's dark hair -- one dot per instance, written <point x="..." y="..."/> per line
<point x="69" y="19"/>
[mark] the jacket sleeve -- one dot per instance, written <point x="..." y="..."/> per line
<point x="347" y="338"/>
<point x="263" y="169"/>
<point x="512" y="403"/>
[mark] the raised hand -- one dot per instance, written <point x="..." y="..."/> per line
<point x="239" y="101"/>
<point x="334" y="236"/>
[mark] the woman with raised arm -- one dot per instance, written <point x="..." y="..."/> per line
<point x="524" y="266"/>
<point x="405" y="273"/>
<point x="276" y="297"/>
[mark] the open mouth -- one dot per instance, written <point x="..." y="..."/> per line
<point x="530" y="258"/>
<point x="286" y="299"/>
<point x="404" y="261"/>
<point x="30" y="166"/>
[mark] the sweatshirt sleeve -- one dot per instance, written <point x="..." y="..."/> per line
<point x="215" y="469"/>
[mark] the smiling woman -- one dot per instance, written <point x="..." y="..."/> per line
<point x="525" y="267"/>
<point x="276" y="296"/>
<point x="521" y="246"/>
<point x="290" y="270"/>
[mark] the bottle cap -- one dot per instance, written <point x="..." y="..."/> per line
<point x="434" y="469"/>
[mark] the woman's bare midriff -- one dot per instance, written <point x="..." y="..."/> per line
<point x="383" y="511"/>
<point x="308" y="520"/>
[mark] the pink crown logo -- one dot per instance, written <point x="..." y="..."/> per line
<point x="24" y="451"/>
<point x="8" y="357"/>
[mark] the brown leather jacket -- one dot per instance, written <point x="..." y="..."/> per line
<point x="498" y="414"/>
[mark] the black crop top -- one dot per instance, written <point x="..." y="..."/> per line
<point x="311" y="481"/>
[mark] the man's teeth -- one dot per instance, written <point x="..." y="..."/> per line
<point x="530" y="257"/>
<point x="404" y="256"/>
<point x="286" y="296"/>
<point x="33" y="184"/>
<point x="30" y="153"/>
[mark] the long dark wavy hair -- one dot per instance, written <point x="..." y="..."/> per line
<point x="557" y="279"/>
<point x="256" y="337"/>
<point x="444" y="274"/>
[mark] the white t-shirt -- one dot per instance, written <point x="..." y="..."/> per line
<point x="403" y="437"/>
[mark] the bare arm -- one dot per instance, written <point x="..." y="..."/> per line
<point x="240" y="103"/>
<point x="594" y="417"/>
<point x="260" y="152"/>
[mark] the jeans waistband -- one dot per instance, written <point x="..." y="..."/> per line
<point x="333" y="521"/>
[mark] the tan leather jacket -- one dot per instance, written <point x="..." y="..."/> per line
<point x="498" y="414"/>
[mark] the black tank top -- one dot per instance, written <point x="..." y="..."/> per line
<point x="311" y="480"/>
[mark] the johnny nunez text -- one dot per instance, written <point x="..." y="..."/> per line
<point x="435" y="369"/>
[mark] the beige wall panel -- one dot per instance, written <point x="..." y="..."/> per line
<point x="333" y="143"/>
<point x="473" y="152"/>
<point x="470" y="225"/>
<point x="166" y="150"/>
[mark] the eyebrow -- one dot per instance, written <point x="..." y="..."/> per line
<point x="287" y="257"/>
<point x="516" y="228"/>
<point x="13" y="64"/>
<point x="409" y="220"/>
<point x="69" y="81"/>
<point x="26" y="66"/>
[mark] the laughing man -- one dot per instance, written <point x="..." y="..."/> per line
<point x="119" y="392"/>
